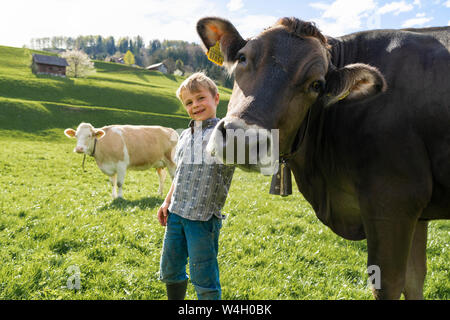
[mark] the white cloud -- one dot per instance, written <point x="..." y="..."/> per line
<point x="418" y="21"/>
<point x="152" y="19"/>
<point x="344" y="9"/>
<point x="417" y="3"/>
<point x="396" y="8"/>
<point x="251" y="25"/>
<point x="447" y="4"/>
<point x="235" y="5"/>
<point x="343" y="16"/>
<point x="319" y="5"/>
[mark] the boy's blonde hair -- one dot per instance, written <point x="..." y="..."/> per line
<point x="195" y="83"/>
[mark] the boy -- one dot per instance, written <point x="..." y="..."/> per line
<point x="192" y="208"/>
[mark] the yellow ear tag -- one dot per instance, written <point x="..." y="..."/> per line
<point x="344" y="95"/>
<point x="215" y="55"/>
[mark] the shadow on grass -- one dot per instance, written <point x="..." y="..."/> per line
<point x="67" y="80"/>
<point x="123" y="204"/>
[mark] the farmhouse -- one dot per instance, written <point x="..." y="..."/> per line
<point x="115" y="60"/>
<point x="52" y="65"/>
<point x="158" y="67"/>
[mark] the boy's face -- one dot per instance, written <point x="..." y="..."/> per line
<point x="200" y="105"/>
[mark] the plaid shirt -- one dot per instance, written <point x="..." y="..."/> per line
<point x="201" y="183"/>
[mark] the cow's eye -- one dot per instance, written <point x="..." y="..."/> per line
<point x="317" y="86"/>
<point x="242" y="58"/>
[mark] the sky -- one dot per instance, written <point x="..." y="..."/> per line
<point x="21" y="20"/>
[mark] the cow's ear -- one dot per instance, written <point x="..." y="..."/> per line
<point x="70" y="133"/>
<point x="353" y="82"/>
<point x="212" y="30"/>
<point x="99" y="133"/>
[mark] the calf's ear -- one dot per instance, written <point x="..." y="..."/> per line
<point x="212" y="30"/>
<point x="70" y="133"/>
<point x="99" y="133"/>
<point x="353" y="82"/>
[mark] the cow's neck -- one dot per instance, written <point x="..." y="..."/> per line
<point x="337" y="51"/>
<point x="94" y="148"/>
<point x="311" y="141"/>
<point x="346" y="50"/>
<point x="306" y="163"/>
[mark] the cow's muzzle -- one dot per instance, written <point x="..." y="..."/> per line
<point x="250" y="147"/>
<point x="79" y="149"/>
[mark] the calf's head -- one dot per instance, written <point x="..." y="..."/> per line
<point x="279" y="75"/>
<point x="85" y="135"/>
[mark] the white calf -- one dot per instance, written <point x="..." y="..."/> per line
<point x="117" y="148"/>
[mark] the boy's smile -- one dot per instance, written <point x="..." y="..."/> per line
<point x="200" y="105"/>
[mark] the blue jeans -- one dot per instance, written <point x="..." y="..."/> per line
<point x="198" y="240"/>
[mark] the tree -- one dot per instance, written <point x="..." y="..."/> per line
<point x="138" y="44"/>
<point x="110" y="46"/>
<point x="129" y="58"/>
<point x="123" y="45"/>
<point x="154" y="45"/>
<point x="180" y="66"/>
<point x="79" y="64"/>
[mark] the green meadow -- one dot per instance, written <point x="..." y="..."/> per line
<point x="55" y="218"/>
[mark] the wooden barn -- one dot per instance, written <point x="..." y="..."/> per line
<point x="158" y="67"/>
<point x="51" y="65"/>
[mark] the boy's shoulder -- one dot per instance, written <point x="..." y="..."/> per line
<point x="205" y="124"/>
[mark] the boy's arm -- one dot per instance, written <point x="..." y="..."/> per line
<point x="162" y="211"/>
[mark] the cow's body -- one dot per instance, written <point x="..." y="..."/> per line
<point x="123" y="147"/>
<point x="399" y="139"/>
<point x="371" y="155"/>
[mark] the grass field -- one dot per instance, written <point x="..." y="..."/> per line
<point x="54" y="216"/>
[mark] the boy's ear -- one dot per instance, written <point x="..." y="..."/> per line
<point x="212" y="30"/>
<point x="217" y="99"/>
<point x="99" y="133"/>
<point x="353" y="82"/>
<point x="70" y="133"/>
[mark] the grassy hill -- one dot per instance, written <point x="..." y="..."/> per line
<point x="43" y="105"/>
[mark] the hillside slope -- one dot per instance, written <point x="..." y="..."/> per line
<point x="43" y="105"/>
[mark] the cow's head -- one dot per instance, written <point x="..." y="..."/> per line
<point x="279" y="75"/>
<point x="85" y="135"/>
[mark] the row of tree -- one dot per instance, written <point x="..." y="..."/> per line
<point x="176" y="54"/>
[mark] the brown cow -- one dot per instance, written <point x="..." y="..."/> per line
<point x="117" y="148"/>
<point x="364" y="124"/>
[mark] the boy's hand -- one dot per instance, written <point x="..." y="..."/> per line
<point x="163" y="213"/>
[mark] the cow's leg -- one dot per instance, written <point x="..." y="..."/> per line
<point x="417" y="263"/>
<point x="162" y="177"/>
<point x="171" y="166"/>
<point x="121" y="171"/>
<point x="113" y="180"/>
<point x="388" y="243"/>
<point x="171" y="169"/>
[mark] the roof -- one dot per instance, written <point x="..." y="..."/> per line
<point x="52" y="60"/>
<point x="156" y="65"/>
